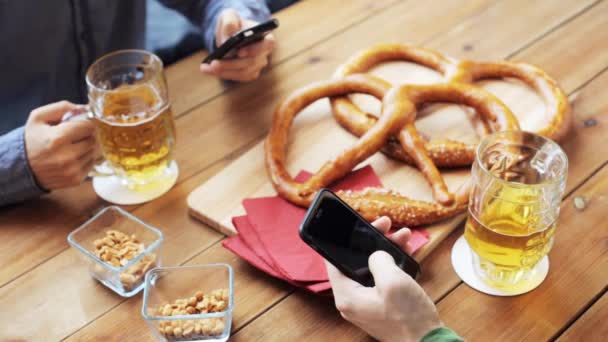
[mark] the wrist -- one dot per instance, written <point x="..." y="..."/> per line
<point x="30" y="171"/>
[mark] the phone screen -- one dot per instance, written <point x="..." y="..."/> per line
<point x="347" y="240"/>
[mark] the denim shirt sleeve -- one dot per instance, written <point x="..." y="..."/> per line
<point x="204" y="13"/>
<point x="17" y="182"/>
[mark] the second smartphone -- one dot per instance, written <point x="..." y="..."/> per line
<point x="344" y="238"/>
<point x="243" y="38"/>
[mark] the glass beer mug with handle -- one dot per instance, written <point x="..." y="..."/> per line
<point x="518" y="182"/>
<point x="129" y="104"/>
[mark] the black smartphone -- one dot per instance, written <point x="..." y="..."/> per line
<point x="344" y="238"/>
<point x="242" y="38"/>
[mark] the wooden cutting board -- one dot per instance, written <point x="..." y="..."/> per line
<point x="315" y="138"/>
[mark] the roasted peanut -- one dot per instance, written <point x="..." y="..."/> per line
<point x="167" y="310"/>
<point x="215" y="301"/>
<point x="118" y="249"/>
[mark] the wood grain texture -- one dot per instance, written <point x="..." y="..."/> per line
<point x="578" y="263"/>
<point x="591" y="326"/>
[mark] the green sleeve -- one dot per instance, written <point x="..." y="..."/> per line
<point x="442" y="334"/>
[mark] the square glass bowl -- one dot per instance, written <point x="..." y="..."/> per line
<point x="126" y="280"/>
<point x="165" y="286"/>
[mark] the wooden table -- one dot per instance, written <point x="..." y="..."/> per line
<point x="47" y="294"/>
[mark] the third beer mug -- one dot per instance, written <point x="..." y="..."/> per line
<point x="518" y="181"/>
<point x="130" y="107"/>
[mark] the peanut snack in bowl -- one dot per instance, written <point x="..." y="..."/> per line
<point x="117" y="249"/>
<point x="199" y="303"/>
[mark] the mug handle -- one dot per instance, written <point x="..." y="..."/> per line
<point x="99" y="168"/>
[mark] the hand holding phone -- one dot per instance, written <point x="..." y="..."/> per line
<point x="241" y="39"/>
<point x="347" y="240"/>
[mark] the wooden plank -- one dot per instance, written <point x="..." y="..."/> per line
<point x="591" y="326"/>
<point x="42" y="236"/>
<point x="578" y="264"/>
<point x="189" y="88"/>
<point x="36" y="231"/>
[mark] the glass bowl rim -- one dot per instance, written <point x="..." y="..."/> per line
<point x="130" y="216"/>
<point x="155" y="270"/>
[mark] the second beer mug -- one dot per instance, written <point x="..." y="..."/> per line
<point x="129" y="104"/>
<point x="518" y="181"/>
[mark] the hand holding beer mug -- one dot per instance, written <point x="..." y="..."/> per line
<point x="518" y="180"/>
<point x="130" y="107"/>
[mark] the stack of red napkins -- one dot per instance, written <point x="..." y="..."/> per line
<point x="268" y="235"/>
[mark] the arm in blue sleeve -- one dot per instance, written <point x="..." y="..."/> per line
<point x="204" y="13"/>
<point x="17" y="182"/>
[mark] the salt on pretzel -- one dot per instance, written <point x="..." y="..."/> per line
<point x="444" y="152"/>
<point x="398" y="114"/>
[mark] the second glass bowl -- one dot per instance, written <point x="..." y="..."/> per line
<point x="189" y="303"/>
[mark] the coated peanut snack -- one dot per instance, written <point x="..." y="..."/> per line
<point x="216" y="301"/>
<point x="117" y="249"/>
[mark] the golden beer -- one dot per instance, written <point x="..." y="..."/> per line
<point x="514" y="207"/>
<point x="130" y="106"/>
<point x="136" y="132"/>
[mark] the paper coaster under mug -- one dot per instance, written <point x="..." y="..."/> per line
<point x="111" y="188"/>
<point x="462" y="261"/>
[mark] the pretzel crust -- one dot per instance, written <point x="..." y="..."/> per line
<point x="556" y="101"/>
<point x="444" y="152"/>
<point x="398" y="115"/>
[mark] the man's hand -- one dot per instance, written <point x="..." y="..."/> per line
<point x="250" y="60"/>
<point x="397" y="308"/>
<point x="60" y="154"/>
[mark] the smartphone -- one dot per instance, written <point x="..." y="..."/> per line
<point x="344" y="238"/>
<point x="242" y="38"/>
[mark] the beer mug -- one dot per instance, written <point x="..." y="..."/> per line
<point x="518" y="182"/>
<point x="130" y="107"/>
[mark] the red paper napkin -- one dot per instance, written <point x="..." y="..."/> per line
<point x="253" y="255"/>
<point x="268" y="236"/>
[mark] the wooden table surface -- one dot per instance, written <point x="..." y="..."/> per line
<point x="47" y="294"/>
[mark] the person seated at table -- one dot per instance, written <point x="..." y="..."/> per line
<point x="396" y="308"/>
<point x="48" y="48"/>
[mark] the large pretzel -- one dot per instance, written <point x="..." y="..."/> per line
<point x="398" y="115"/>
<point x="443" y="152"/>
